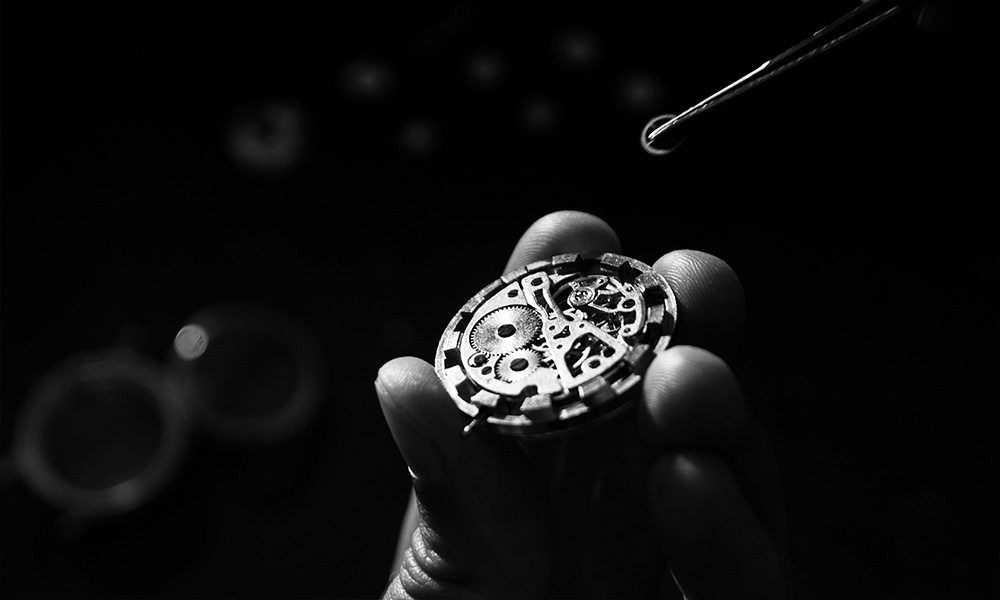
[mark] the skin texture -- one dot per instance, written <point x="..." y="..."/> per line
<point x="681" y="491"/>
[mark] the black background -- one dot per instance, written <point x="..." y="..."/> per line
<point x="849" y="195"/>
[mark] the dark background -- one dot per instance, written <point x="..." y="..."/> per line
<point x="849" y="194"/>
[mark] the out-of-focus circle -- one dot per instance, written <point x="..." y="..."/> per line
<point x="539" y="115"/>
<point x="260" y="378"/>
<point x="577" y="48"/>
<point x="268" y="137"/>
<point x="367" y="79"/>
<point x="641" y="92"/>
<point x="102" y="434"/>
<point x="191" y="342"/>
<point x="485" y="69"/>
<point x="418" y="138"/>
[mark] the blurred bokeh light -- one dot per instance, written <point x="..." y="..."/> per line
<point x="419" y="138"/>
<point x="252" y="374"/>
<point x="578" y="48"/>
<point x="368" y="79"/>
<point x="539" y="115"/>
<point x="485" y="69"/>
<point x="642" y="93"/>
<point x="268" y="137"/>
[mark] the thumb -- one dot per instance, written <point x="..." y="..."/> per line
<point x="483" y="528"/>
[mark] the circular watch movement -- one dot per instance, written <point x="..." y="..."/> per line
<point x="555" y="344"/>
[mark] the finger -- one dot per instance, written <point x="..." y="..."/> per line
<point x="692" y="400"/>
<point x="711" y="305"/>
<point x="480" y="515"/>
<point x="411" y="518"/>
<point x="561" y="233"/>
<point x="556" y="233"/>
<point x="712" y="540"/>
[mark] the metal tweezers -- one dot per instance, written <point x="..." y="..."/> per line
<point x="817" y="43"/>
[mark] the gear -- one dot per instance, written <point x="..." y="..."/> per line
<point x="518" y="364"/>
<point x="521" y="359"/>
<point x="506" y="329"/>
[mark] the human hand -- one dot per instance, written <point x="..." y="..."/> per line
<point x="683" y="489"/>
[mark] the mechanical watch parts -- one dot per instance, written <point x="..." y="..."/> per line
<point x="556" y="344"/>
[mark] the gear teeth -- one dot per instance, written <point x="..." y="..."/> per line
<point x="505" y="330"/>
<point x="518" y="364"/>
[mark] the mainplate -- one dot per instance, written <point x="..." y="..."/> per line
<point x="555" y="344"/>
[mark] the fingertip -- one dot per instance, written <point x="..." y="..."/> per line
<point x="710" y="298"/>
<point x="406" y="374"/>
<point x="563" y="232"/>
<point x="419" y="414"/>
<point x="690" y="397"/>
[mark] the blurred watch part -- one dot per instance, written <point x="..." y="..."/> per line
<point x="268" y="137"/>
<point x="253" y="375"/>
<point x="101" y="434"/>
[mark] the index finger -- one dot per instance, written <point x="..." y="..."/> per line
<point x="563" y="232"/>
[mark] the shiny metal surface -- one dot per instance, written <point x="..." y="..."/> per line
<point x="555" y="345"/>
<point x="846" y="27"/>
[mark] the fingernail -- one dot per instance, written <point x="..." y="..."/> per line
<point x="423" y="459"/>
